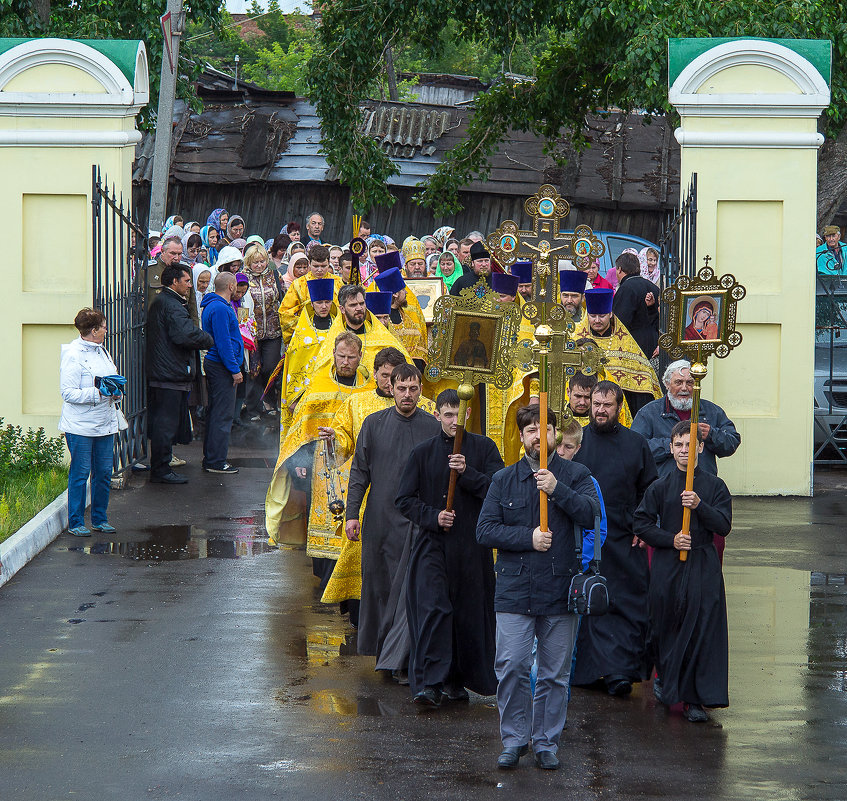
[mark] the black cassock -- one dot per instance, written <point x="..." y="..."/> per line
<point x="687" y="599"/>
<point x="613" y="646"/>
<point x="450" y="590"/>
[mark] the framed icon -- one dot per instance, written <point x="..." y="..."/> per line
<point x="427" y="291"/>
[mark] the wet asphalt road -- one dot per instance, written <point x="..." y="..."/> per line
<point x="185" y="660"/>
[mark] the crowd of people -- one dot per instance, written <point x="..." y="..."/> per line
<point x="280" y="332"/>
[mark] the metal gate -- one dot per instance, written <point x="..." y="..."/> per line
<point x="830" y="370"/>
<point x="119" y="249"/>
<point x="677" y="253"/>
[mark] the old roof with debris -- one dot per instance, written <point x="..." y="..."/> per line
<point x="250" y="134"/>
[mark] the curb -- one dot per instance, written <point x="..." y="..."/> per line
<point x="33" y="537"/>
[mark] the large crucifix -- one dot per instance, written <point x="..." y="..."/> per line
<point x="546" y="243"/>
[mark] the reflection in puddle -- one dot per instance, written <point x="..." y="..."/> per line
<point x="174" y="543"/>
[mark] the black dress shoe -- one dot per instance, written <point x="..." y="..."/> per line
<point x="619" y="687"/>
<point x="510" y="757"/>
<point x="454" y="692"/>
<point x="169" y="478"/>
<point x="695" y="713"/>
<point x="546" y="760"/>
<point x="401" y="677"/>
<point x="428" y="697"/>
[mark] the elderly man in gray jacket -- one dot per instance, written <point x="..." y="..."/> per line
<point x="656" y="419"/>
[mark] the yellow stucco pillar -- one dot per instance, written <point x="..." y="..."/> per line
<point x="749" y="113"/>
<point x="64" y="106"/>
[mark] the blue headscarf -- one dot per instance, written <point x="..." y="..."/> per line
<point x="214" y="220"/>
<point x="204" y="235"/>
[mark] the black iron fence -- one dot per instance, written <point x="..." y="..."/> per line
<point x="119" y="248"/>
<point x="677" y="253"/>
<point x="831" y="370"/>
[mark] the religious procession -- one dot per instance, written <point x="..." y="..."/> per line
<point x="379" y="432"/>
<point x="500" y="496"/>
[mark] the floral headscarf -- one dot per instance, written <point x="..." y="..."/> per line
<point x="214" y="220"/>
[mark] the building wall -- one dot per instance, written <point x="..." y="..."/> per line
<point x="48" y="144"/>
<point x="749" y="130"/>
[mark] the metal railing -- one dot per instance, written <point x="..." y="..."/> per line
<point x="677" y="253"/>
<point x="119" y="250"/>
<point x="830" y="370"/>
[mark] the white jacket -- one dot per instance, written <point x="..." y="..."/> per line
<point x="85" y="411"/>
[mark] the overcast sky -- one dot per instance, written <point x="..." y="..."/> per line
<point x="242" y="6"/>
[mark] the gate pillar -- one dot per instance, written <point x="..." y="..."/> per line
<point x="749" y="113"/>
<point x="64" y="105"/>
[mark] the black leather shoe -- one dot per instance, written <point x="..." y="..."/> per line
<point x="619" y="688"/>
<point x="695" y="713"/>
<point x="510" y="757"/>
<point x="169" y="478"/>
<point x="456" y="693"/>
<point x="428" y="697"/>
<point x="401" y="677"/>
<point x="546" y="760"/>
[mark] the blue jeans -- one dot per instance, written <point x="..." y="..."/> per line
<point x="90" y="456"/>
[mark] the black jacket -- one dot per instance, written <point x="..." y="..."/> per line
<point x="641" y="320"/>
<point x="469" y="278"/>
<point x="531" y="582"/>
<point x="172" y="339"/>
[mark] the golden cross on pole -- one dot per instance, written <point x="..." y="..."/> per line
<point x="564" y="358"/>
<point x="545" y="244"/>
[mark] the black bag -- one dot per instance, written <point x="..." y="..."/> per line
<point x="588" y="593"/>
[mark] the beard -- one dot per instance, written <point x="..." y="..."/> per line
<point x="605" y="426"/>
<point x="680" y="404"/>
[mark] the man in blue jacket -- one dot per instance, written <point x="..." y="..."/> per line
<point x="222" y="366"/>
<point x="533" y="573"/>
<point x="656" y="420"/>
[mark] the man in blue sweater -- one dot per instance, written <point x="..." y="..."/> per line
<point x="222" y="366"/>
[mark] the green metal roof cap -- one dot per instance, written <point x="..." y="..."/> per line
<point x="121" y="52"/>
<point x="681" y="52"/>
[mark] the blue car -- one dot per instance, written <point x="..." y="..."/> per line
<point x="616" y="244"/>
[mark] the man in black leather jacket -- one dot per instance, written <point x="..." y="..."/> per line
<point x="172" y="339"/>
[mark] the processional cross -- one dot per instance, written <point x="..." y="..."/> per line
<point x="554" y="350"/>
<point x="547" y="208"/>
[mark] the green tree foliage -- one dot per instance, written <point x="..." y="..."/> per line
<point x="114" y="19"/>
<point x="598" y="54"/>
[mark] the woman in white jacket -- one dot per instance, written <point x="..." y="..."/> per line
<point x="89" y="420"/>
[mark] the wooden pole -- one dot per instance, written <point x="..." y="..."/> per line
<point x="698" y="372"/>
<point x="543" y="334"/>
<point x="465" y="392"/>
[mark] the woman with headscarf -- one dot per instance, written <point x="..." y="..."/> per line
<point x="218" y="220"/>
<point x="298" y="265"/>
<point x="266" y="290"/>
<point x="191" y="246"/>
<point x="239" y="244"/>
<point x="368" y="268"/>
<point x="209" y="235"/>
<point x="234" y="229"/>
<point x="648" y="258"/>
<point x="193" y="226"/>
<point x="449" y="270"/>
<point x="202" y="276"/>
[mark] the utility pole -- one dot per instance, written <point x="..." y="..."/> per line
<point x="391" y="75"/>
<point x="173" y="22"/>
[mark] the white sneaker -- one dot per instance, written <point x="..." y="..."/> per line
<point x="176" y="461"/>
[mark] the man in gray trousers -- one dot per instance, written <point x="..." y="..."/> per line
<point x="533" y="573"/>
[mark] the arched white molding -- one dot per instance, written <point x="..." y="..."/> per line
<point x="141" y="87"/>
<point x="813" y="92"/>
<point x="118" y="98"/>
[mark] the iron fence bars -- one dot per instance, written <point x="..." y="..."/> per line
<point x="830" y="408"/>
<point x="677" y="253"/>
<point x="119" y="255"/>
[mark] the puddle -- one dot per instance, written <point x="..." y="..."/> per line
<point x="175" y="543"/>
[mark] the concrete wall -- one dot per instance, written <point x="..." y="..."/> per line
<point x="749" y="112"/>
<point x="64" y="106"/>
